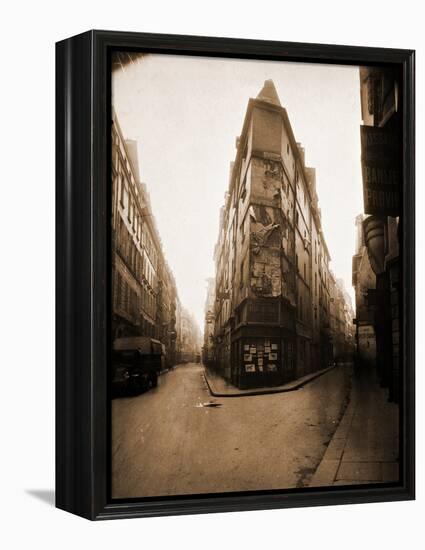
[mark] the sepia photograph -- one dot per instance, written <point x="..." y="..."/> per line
<point x="209" y="288"/>
<point x="255" y="247"/>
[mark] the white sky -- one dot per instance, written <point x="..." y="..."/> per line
<point x="185" y="113"/>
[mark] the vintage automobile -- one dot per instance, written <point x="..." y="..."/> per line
<point x="136" y="363"/>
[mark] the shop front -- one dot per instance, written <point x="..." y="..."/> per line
<point x="263" y="360"/>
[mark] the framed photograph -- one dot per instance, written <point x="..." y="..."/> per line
<point x="235" y="275"/>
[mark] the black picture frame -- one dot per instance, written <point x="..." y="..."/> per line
<point x="83" y="265"/>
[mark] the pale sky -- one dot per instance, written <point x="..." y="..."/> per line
<point x="186" y="112"/>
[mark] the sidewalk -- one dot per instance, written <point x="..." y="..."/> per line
<point x="219" y="387"/>
<point x="364" y="448"/>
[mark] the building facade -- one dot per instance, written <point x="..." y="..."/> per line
<point x="342" y="327"/>
<point x="273" y="284"/>
<point x="208" y="345"/>
<point x="382" y="146"/>
<point x="189" y="339"/>
<point x="144" y="294"/>
<point x="363" y="280"/>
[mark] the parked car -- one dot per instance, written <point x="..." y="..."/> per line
<point x="136" y="363"/>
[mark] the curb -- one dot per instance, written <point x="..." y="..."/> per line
<point x="291" y="386"/>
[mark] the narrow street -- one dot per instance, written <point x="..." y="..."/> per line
<point x="165" y="442"/>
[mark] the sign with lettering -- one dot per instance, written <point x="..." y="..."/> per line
<point x="381" y="170"/>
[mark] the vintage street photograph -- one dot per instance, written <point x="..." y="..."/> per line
<point x="255" y="275"/>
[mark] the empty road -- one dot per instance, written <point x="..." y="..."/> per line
<point x="166" y="442"/>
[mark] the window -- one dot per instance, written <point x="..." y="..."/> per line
<point x="305" y="272"/>
<point x="262" y="311"/>
<point x="121" y="183"/>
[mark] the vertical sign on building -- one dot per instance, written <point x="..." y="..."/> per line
<point x="381" y="170"/>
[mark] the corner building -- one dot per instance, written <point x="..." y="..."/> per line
<point x="273" y="282"/>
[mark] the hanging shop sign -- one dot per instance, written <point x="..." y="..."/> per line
<point x="381" y="170"/>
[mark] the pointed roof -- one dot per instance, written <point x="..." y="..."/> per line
<point x="269" y="93"/>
